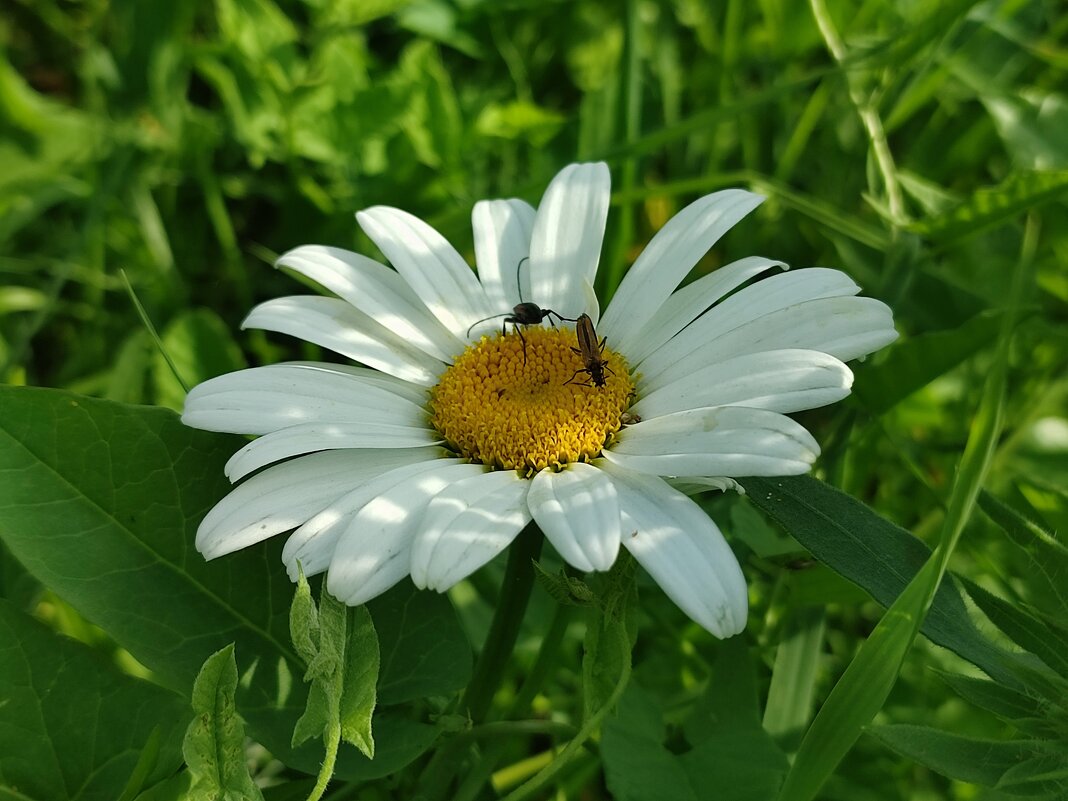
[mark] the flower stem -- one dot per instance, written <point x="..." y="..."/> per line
<point x="438" y="775"/>
<point x="504" y="630"/>
<point x="326" y="772"/>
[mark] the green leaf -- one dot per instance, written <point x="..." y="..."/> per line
<point x="341" y="648"/>
<point x="869" y="678"/>
<point x="100" y="502"/>
<point x="966" y="759"/>
<point x="793" y="676"/>
<point x="1047" y="557"/>
<point x="878" y="556"/>
<point x="425" y="651"/>
<point x="214" y="746"/>
<point x="73" y="725"/>
<point x="917" y="361"/>
<point x="989" y="206"/>
<point x="1002" y="701"/>
<point x="726" y="748"/>
<point x="562" y="588"/>
<point x="1025" y="630"/>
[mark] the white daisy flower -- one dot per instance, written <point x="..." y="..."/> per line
<point x="428" y="460"/>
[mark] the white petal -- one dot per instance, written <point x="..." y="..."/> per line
<point x="309" y="437"/>
<point x="686" y="305"/>
<point x="284" y="496"/>
<point x="336" y="325"/>
<point x="566" y="243"/>
<point x="373" y="552"/>
<point x="264" y="399"/>
<point x="431" y="266"/>
<point x="691" y="485"/>
<point x="724" y="441"/>
<point x="413" y="392"/>
<point x="845" y="328"/>
<point x="466" y="526"/>
<point x="778" y="380"/>
<point x="502" y="231"/>
<point x="312" y="545"/>
<point x="671" y="254"/>
<point x="377" y="291"/>
<point x="578" y="511"/>
<point x="683" y="550"/>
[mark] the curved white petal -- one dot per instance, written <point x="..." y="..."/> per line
<point x="336" y="325"/>
<point x="467" y="525"/>
<point x="284" y="496"/>
<point x="264" y="399"/>
<point x="578" y="511"/>
<point x="372" y="553"/>
<point x="671" y="254"/>
<point x="565" y="246"/>
<point x="691" y="485"/>
<point x="412" y="392"/>
<point x="683" y="550"/>
<point x="784" y="381"/>
<point x="312" y="545"/>
<point x="752" y="303"/>
<point x="843" y="327"/>
<point x="724" y="441"/>
<point x="431" y="266"/>
<point x="686" y="305"/>
<point x="377" y="291"/>
<point x="309" y="437"/>
<point x="502" y="231"/>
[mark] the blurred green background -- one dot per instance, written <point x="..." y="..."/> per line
<point x="921" y="147"/>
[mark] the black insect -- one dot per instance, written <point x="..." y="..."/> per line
<point x="523" y="313"/>
<point x="590" y="350"/>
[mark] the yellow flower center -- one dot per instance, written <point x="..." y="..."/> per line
<point x="493" y="408"/>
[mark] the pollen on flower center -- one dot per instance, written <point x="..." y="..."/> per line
<point x="493" y="408"/>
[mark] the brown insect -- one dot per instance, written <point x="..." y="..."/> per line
<point x="590" y="350"/>
<point x="523" y="313"/>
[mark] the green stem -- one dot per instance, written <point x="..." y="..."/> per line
<point x="332" y="742"/>
<point x="512" y="602"/>
<point x="504" y="630"/>
<point x="535" y="785"/>
<point x="487" y="762"/>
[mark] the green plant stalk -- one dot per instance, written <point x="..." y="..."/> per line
<point x="869" y="117"/>
<point x="518" y="581"/>
<point x="332" y="741"/>
<point x="504" y="629"/>
<point x="867" y="682"/>
<point x="572" y="749"/>
<point x="547" y="654"/>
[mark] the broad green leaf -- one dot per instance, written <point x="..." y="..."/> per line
<point x="214" y="746"/>
<point x="100" y="502"/>
<point x="919" y="360"/>
<point x="1018" y="193"/>
<point x="424" y="650"/>
<point x="72" y="725"/>
<point x="1025" y="630"/>
<point x="872" y="552"/>
<point x="966" y="759"/>
<point x="201" y="347"/>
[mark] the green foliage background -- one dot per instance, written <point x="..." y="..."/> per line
<point x="921" y="147"/>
